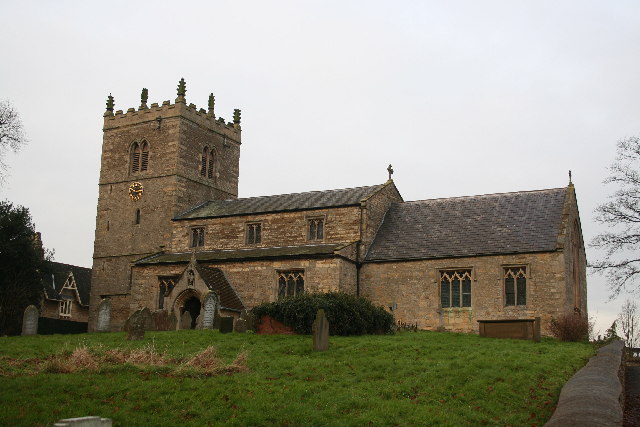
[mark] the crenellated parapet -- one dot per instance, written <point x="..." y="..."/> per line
<point x="157" y="113"/>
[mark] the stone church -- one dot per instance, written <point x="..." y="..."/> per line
<point x="170" y="228"/>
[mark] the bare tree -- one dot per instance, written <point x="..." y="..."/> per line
<point x="629" y="320"/>
<point x="12" y="135"/>
<point x="621" y="263"/>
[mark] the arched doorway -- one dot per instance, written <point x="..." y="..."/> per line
<point x="188" y="300"/>
<point x="192" y="305"/>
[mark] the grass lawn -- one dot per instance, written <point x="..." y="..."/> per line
<point x="423" y="378"/>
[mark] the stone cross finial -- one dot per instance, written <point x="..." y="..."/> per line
<point x="236" y="117"/>
<point x="143" y="97"/>
<point x="390" y="170"/>
<point x="212" y="104"/>
<point x="182" y="90"/>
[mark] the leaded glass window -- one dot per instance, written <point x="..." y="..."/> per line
<point x="515" y="286"/>
<point x="197" y="237"/>
<point x="455" y="288"/>
<point x="254" y="233"/>
<point x="290" y="283"/>
<point x="316" y="229"/>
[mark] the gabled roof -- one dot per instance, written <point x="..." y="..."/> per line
<point x="244" y="254"/>
<point x="281" y="203"/>
<point x="59" y="275"/>
<point x="216" y="281"/>
<point x="490" y="224"/>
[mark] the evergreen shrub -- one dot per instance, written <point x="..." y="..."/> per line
<point x="347" y="314"/>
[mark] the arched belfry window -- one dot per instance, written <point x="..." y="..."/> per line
<point x="207" y="162"/>
<point x="139" y="156"/>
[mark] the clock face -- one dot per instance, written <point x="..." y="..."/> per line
<point x="135" y="191"/>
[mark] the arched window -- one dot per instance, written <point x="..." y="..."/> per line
<point x="207" y="162"/>
<point x="205" y="159"/>
<point x="139" y="156"/>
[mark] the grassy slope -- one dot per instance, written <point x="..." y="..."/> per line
<point x="407" y="379"/>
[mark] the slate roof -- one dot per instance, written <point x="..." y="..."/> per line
<point x="243" y="254"/>
<point x="281" y="203"/>
<point x="58" y="276"/>
<point x="217" y="282"/>
<point x="490" y="224"/>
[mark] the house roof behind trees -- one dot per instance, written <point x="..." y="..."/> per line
<point x="55" y="280"/>
<point x="489" y="224"/>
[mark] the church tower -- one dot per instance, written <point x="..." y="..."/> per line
<point x="157" y="161"/>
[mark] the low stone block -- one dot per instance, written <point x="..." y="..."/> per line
<point x="226" y="324"/>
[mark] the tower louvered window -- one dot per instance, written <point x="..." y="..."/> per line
<point x="144" y="163"/>
<point x="139" y="157"/>
<point x="207" y="162"/>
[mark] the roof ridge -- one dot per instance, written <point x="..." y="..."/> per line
<point x="294" y="194"/>
<point x="487" y="195"/>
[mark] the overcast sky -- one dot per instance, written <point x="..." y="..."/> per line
<point x="462" y="97"/>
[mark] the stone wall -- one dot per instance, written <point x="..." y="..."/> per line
<point x="278" y="229"/>
<point x="413" y="287"/>
<point x="254" y="281"/>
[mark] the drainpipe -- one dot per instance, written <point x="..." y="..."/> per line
<point x="358" y="249"/>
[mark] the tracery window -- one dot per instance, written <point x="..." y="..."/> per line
<point x="207" y="163"/>
<point x="254" y="233"/>
<point x="455" y="288"/>
<point x="139" y="156"/>
<point x="165" y="286"/>
<point x="316" y="229"/>
<point x="290" y="283"/>
<point x="515" y="285"/>
<point x="197" y="237"/>
<point x="65" y="308"/>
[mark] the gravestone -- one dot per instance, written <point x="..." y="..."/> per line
<point x="185" y="320"/>
<point x="136" y="325"/>
<point x="160" y="320"/>
<point x="104" y="316"/>
<point x="320" y="332"/>
<point x="240" y="326"/>
<point x="30" y="320"/>
<point x="209" y="309"/>
<point x="250" y="319"/>
<point x="172" y="322"/>
<point x="199" y="321"/>
<point x="226" y="324"/>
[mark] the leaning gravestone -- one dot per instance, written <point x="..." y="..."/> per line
<point x="199" y="321"/>
<point x="210" y="306"/>
<point x="321" y="332"/>
<point x="240" y="326"/>
<point x="226" y="324"/>
<point x="136" y="325"/>
<point x="185" y="320"/>
<point x="30" y="320"/>
<point x="104" y="316"/>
